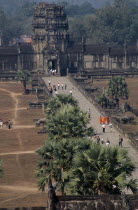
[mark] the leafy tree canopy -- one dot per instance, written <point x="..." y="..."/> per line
<point x="101" y="170"/>
<point x="57" y="159"/>
<point x="25" y="77"/>
<point x="68" y="122"/>
<point x="82" y="167"/>
<point x="113" y="24"/>
<point x="117" y="88"/>
<point x="54" y="104"/>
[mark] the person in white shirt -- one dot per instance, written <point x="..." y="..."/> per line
<point x="70" y="92"/>
<point x="1" y="123"/>
<point x="107" y="143"/>
<point x="103" y="127"/>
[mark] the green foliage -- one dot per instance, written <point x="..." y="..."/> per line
<point x="101" y="170"/>
<point x="103" y="100"/>
<point x="117" y="88"/>
<point x="57" y="159"/>
<point x="54" y="104"/>
<point x="82" y="167"/>
<point x="68" y="122"/>
<point x="77" y="10"/>
<point x="25" y="77"/>
<point x="16" y="19"/>
<point x="113" y="25"/>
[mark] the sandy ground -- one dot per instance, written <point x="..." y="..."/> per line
<point x="18" y="187"/>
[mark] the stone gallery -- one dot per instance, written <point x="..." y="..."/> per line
<point x="51" y="48"/>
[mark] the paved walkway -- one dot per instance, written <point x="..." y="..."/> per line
<point x="85" y="104"/>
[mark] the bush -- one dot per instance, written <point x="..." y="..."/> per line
<point x="127" y="119"/>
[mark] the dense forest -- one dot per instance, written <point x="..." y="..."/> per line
<point x="113" y="23"/>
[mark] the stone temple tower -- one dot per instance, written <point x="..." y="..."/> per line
<point x="50" y="37"/>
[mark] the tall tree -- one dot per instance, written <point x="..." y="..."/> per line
<point x="56" y="159"/>
<point x="82" y="167"/>
<point x="101" y="170"/>
<point x="54" y="104"/>
<point x="25" y="77"/>
<point x="68" y="122"/>
<point x="117" y="89"/>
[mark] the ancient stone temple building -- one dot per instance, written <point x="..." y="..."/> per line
<point x="52" y="48"/>
<point x="50" y="37"/>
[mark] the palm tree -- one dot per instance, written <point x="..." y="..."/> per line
<point x="57" y="159"/>
<point x="101" y="170"/>
<point x="54" y="104"/>
<point x="68" y="122"/>
<point x="117" y="88"/>
<point x="25" y="77"/>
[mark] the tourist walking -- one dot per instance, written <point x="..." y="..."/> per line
<point x="49" y="82"/>
<point x="58" y="86"/>
<point x="110" y="127"/>
<point x="9" y="124"/>
<point x="62" y="86"/>
<point x="65" y="86"/>
<point x="103" y="127"/>
<point x="70" y="92"/>
<point x="120" y="141"/>
<point x="50" y="90"/>
<point x="1" y="124"/>
<point x="89" y="113"/>
<point x="102" y="141"/>
<point x="107" y="143"/>
<point x="54" y="87"/>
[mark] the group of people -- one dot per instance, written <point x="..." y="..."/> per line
<point x="56" y="87"/>
<point x="101" y="140"/>
<point x="120" y="139"/>
<point x="3" y="123"/>
<point x="52" y="72"/>
<point x="107" y="143"/>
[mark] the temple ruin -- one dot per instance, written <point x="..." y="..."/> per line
<point x="51" y="48"/>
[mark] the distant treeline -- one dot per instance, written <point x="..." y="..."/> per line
<point x="113" y="24"/>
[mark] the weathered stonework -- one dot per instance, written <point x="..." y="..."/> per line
<point x="52" y="48"/>
<point x="50" y="36"/>
<point x="105" y="202"/>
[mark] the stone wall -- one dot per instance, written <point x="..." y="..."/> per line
<point x="103" y="202"/>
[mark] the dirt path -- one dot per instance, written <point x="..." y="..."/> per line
<point x="11" y="110"/>
<point x="18" y="153"/>
<point x="16" y="126"/>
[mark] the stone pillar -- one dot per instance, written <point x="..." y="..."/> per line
<point x="58" y="66"/>
<point x="2" y="66"/>
<point x="46" y="66"/>
<point x="19" y="63"/>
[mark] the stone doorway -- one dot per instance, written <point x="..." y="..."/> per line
<point x="52" y="64"/>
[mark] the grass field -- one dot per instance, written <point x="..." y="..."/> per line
<point x="18" y="187"/>
<point x="132" y="87"/>
<point x="132" y="100"/>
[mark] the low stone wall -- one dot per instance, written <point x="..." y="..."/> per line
<point x="25" y="208"/>
<point x="44" y="86"/>
<point x="103" y="202"/>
